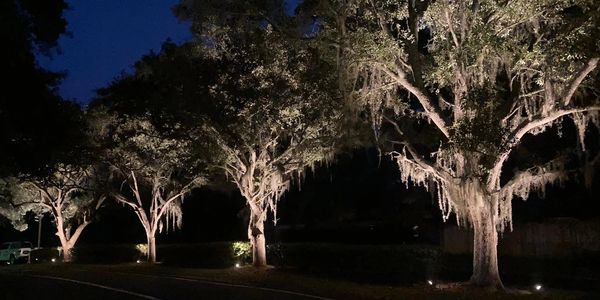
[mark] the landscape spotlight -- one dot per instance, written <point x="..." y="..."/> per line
<point x="430" y="282"/>
<point x="53" y="259"/>
<point x="138" y="261"/>
<point x="538" y="287"/>
<point x="237" y="265"/>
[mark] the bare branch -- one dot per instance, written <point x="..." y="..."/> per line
<point x="541" y="121"/>
<point x="430" y="110"/>
<point x="78" y="232"/>
<point x="589" y="66"/>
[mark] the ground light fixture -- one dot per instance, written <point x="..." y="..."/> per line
<point x="430" y="282"/>
<point x="138" y="261"/>
<point x="538" y="287"/>
<point x="237" y="265"/>
<point x="53" y="260"/>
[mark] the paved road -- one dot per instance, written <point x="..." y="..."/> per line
<point x="110" y="285"/>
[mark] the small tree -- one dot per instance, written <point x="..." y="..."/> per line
<point x="154" y="169"/>
<point x="484" y="75"/>
<point x="67" y="194"/>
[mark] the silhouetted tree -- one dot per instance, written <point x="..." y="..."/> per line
<point x="34" y="122"/>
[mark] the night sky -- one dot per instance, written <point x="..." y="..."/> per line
<point x="107" y="37"/>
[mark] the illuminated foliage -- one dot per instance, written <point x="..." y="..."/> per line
<point x="484" y="74"/>
<point x="275" y="123"/>
<point x="155" y="171"/>
<point x="70" y="194"/>
<point x="277" y="113"/>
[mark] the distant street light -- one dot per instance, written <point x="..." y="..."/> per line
<point x="39" y="218"/>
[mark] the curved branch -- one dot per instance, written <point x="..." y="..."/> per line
<point x="516" y="135"/>
<point x="430" y="110"/>
<point x="534" y="178"/>
<point x="166" y="205"/>
<point x="78" y="232"/>
<point x="589" y="66"/>
<point x="541" y="121"/>
<point x="423" y="164"/>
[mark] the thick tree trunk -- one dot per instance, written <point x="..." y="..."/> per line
<point x="68" y="241"/>
<point x="485" y="254"/>
<point x="257" y="240"/>
<point x="151" y="248"/>
<point x="67" y="253"/>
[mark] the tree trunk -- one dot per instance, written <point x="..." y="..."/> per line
<point x="151" y="249"/>
<point x="485" y="253"/>
<point x="67" y="253"/>
<point x="257" y="240"/>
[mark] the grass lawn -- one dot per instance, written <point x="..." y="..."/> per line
<point x="287" y="279"/>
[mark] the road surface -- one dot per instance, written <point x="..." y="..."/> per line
<point x="104" y="285"/>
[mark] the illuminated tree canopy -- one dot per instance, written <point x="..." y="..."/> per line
<point x="154" y="172"/>
<point x="253" y="103"/>
<point x="275" y="122"/>
<point x="70" y="194"/>
<point x="483" y="74"/>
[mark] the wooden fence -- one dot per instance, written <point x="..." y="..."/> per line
<point x="561" y="237"/>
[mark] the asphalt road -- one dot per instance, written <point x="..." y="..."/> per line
<point x="110" y="285"/>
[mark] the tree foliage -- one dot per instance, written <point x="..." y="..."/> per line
<point x="484" y="74"/>
<point x="153" y="172"/>
<point x="71" y="194"/>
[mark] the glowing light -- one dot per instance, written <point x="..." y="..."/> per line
<point x="538" y="287"/>
<point x="138" y="261"/>
<point x="237" y="265"/>
<point x="53" y="260"/>
<point x="36" y="259"/>
<point x="142" y="249"/>
<point x="430" y="282"/>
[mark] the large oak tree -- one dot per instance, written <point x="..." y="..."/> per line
<point x="482" y="76"/>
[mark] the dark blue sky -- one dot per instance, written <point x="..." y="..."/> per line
<point x="108" y="36"/>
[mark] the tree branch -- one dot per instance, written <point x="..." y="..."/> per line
<point x="589" y="66"/>
<point x="541" y="121"/>
<point x="423" y="164"/>
<point x="78" y="232"/>
<point x="424" y="100"/>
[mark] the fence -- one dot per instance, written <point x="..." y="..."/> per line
<point x="560" y="237"/>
